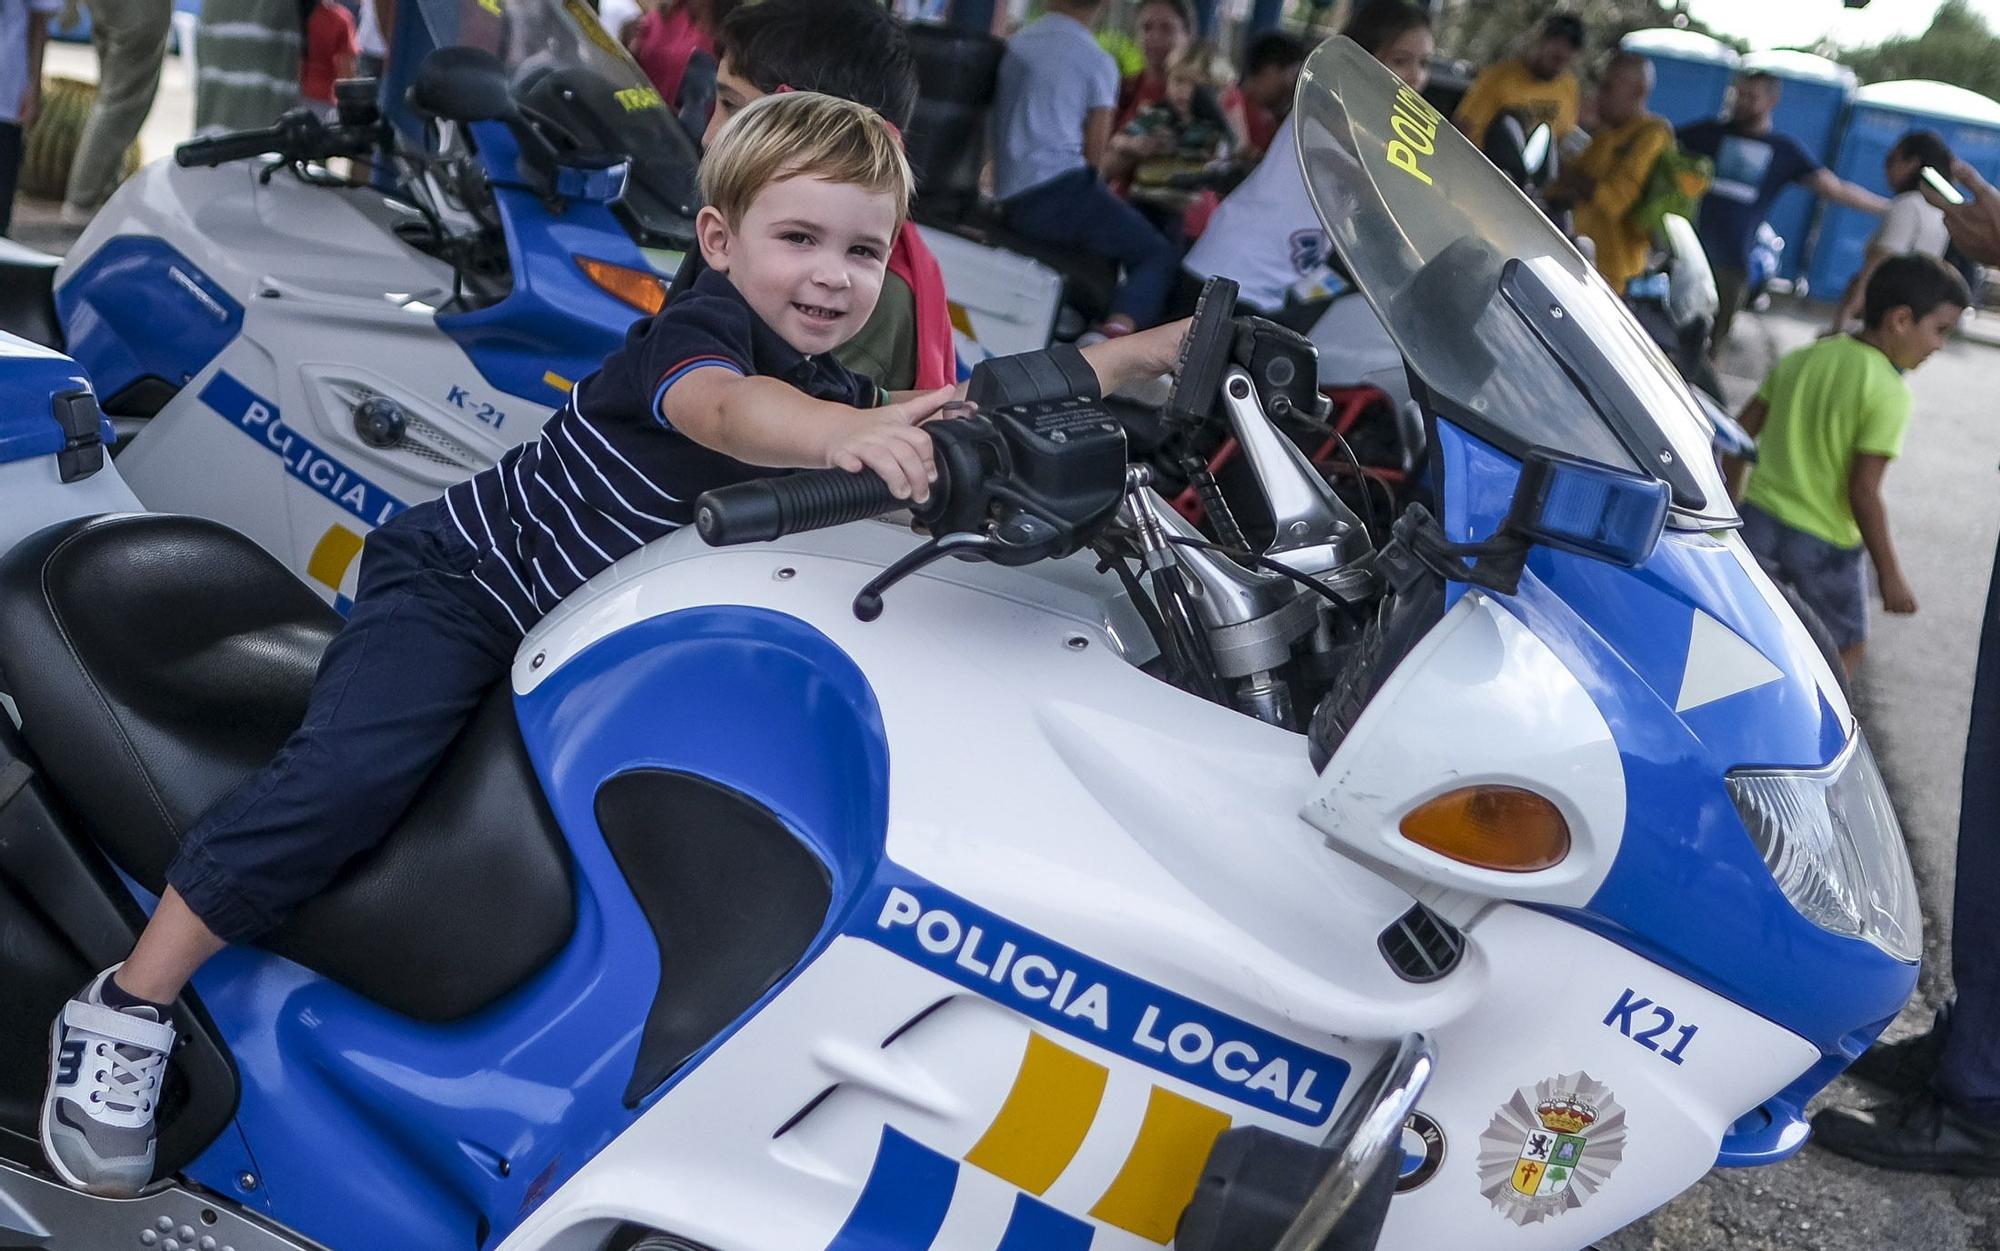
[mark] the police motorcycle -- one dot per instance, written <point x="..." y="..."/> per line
<point x="301" y="358"/>
<point x="1054" y="880"/>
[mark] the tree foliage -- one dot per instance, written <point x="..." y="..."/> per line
<point x="1959" y="48"/>
<point x="1486" y="30"/>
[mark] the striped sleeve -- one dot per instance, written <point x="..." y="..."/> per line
<point x="677" y="372"/>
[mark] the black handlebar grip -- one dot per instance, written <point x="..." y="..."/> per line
<point x="769" y="508"/>
<point x="242" y="145"/>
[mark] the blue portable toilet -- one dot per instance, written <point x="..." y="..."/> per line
<point x="1691" y="72"/>
<point x="1814" y="101"/>
<point x="1882" y="112"/>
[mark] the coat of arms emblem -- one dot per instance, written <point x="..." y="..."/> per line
<point x="1551" y="1147"/>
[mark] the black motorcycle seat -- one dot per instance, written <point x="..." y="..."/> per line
<point x="157" y="661"/>
<point x="27" y="294"/>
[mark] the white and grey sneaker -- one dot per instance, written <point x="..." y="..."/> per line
<point x="105" y="1067"/>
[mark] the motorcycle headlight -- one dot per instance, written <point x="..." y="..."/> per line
<point x="1831" y="839"/>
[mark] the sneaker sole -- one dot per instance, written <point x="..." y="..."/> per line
<point x="48" y="1136"/>
<point x="48" y="1114"/>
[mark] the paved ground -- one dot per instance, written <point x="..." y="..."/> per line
<point x="1913" y="696"/>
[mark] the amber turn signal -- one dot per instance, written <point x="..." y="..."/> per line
<point x="1491" y="827"/>
<point x="636" y="287"/>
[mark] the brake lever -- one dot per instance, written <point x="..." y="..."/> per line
<point x="868" y="600"/>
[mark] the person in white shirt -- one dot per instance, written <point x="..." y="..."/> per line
<point x="1265" y="234"/>
<point x="1910" y="224"/>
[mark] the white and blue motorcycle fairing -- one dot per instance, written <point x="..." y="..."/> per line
<point x="961" y="929"/>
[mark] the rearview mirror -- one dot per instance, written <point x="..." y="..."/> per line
<point x="463" y="84"/>
<point x="1507" y="147"/>
<point x="1535" y="152"/>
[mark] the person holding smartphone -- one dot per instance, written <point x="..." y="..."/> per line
<point x="1911" y="223"/>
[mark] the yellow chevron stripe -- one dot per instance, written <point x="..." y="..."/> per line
<point x="331" y="556"/>
<point x="1151" y="1191"/>
<point x="1046" y="1115"/>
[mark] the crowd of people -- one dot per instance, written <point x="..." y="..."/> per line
<point x="1129" y="168"/>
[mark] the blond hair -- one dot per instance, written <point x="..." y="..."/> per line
<point x="795" y="133"/>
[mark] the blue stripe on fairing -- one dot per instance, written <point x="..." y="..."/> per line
<point x="903" y="1204"/>
<point x="305" y="460"/>
<point x="1126" y="1016"/>
<point x="1688" y="889"/>
<point x="1035" y="1226"/>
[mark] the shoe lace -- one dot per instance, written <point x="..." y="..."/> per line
<point x="133" y="1075"/>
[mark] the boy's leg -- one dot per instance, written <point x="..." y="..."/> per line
<point x="1764" y="535"/>
<point x="418" y="654"/>
<point x="1829" y="579"/>
<point x="1079" y="211"/>
<point x="174" y="944"/>
<point x="394" y="688"/>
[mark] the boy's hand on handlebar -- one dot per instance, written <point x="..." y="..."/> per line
<point x="888" y="441"/>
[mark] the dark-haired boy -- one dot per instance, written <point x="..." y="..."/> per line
<point x="855" y="50"/>
<point x="1828" y="420"/>
<point x="1261" y="98"/>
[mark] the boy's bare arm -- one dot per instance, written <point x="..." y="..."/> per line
<point x="1118" y="362"/>
<point x="1737" y="472"/>
<point x="1131" y="358"/>
<point x="762" y="421"/>
<point x="1864" y="495"/>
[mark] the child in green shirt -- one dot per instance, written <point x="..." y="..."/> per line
<point x="1828" y="421"/>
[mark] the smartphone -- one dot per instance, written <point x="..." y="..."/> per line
<point x="1942" y="185"/>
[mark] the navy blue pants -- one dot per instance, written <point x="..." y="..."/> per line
<point x="1969" y="1076"/>
<point x="11" y="146"/>
<point x="1079" y="211"/>
<point x="420" y="650"/>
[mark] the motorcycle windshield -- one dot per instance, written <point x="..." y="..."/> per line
<point x="1511" y="333"/>
<point x="588" y="96"/>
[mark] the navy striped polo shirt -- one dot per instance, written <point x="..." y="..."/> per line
<point x="607" y="475"/>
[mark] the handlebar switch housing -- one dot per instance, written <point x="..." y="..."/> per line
<point x="1068" y="470"/>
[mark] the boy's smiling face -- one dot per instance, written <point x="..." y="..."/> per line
<point x="808" y="257"/>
